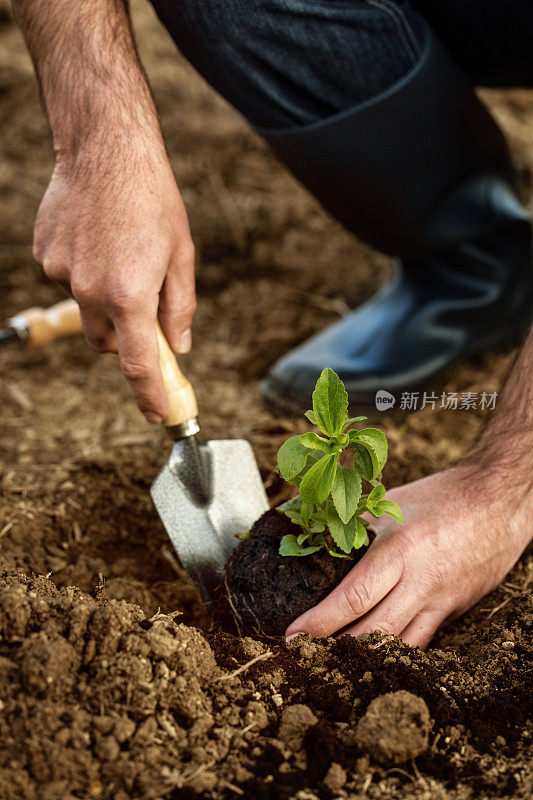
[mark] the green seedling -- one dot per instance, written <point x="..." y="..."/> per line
<point x="330" y="494"/>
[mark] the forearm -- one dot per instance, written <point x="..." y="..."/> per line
<point x="92" y="84"/>
<point x="111" y="228"/>
<point x="505" y="449"/>
<point x="511" y="425"/>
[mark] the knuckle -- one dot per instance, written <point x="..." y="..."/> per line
<point x="119" y="296"/>
<point x="181" y="312"/>
<point x="52" y="268"/>
<point x="134" y="370"/>
<point x="82" y="293"/>
<point x="385" y="628"/>
<point x="188" y="309"/>
<point x="322" y="626"/>
<point x="435" y="578"/>
<point x="356" y="598"/>
<point x="405" y="547"/>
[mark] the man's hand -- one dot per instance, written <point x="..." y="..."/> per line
<point x="111" y="228"/>
<point x="462" y="533"/>
<point x="118" y="239"/>
<point x="463" y="530"/>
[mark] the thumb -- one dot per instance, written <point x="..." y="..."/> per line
<point x="177" y="300"/>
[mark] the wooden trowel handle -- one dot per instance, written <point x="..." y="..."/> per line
<point x="43" y="325"/>
<point x="182" y="405"/>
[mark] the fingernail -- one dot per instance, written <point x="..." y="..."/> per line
<point x="185" y="342"/>
<point x="153" y="417"/>
<point x="292" y="636"/>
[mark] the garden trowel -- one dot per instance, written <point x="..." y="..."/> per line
<point x="208" y="491"/>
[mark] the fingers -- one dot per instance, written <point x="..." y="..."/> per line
<point x="423" y="627"/>
<point x="177" y="300"/>
<point x="139" y="358"/>
<point x="98" y="330"/>
<point x="392" y="615"/>
<point x="370" y="581"/>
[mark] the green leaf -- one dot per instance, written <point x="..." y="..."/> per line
<point x="302" y="538"/>
<point x="330" y="403"/>
<point x="361" y="537"/>
<point x="311" y="417"/>
<point x="365" y="461"/>
<point x="314" y="442"/>
<point x="295" y="517"/>
<point x="345" y="492"/>
<point x="243" y="536"/>
<point x="320" y="515"/>
<point x="306" y="510"/>
<point x="312" y="457"/>
<point x="289" y="547"/>
<point x="377" y="494"/>
<point x="374" y="438"/>
<point x="343" y="534"/>
<point x="293" y="504"/>
<point x="317" y="482"/>
<point x="390" y="508"/>
<point x="350" y="421"/>
<point x="292" y="456"/>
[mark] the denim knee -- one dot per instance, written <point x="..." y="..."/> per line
<point x="286" y="62"/>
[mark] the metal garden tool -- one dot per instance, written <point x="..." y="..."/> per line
<point x="208" y="491"/>
<point x="38" y="326"/>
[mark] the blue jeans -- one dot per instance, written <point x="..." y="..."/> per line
<point x="285" y="63"/>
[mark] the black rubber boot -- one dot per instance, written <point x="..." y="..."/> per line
<point x="421" y="172"/>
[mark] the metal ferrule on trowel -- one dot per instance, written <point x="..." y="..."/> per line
<point x="208" y="491"/>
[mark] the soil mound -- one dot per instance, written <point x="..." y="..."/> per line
<point x="99" y="700"/>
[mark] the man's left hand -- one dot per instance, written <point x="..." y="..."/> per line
<point x="463" y="530"/>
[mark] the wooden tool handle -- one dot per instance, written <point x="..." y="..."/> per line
<point x="46" y="324"/>
<point x="182" y="405"/>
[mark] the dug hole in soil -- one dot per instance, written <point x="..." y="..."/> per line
<point x="112" y="683"/>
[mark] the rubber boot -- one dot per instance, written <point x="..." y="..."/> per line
<point x="420" y="172"/>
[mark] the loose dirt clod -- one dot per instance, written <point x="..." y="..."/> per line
<point x="295" y="722"/>
<point x="395" y="728"/>
<point x="335" y="778"/>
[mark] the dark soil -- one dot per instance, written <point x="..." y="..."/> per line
<point x="101" y="696"/>
<point x="269" y="591"/>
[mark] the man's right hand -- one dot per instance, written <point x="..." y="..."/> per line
<point x="112" y="229"/>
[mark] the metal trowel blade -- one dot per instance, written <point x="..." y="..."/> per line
<point x="206" y="494"/>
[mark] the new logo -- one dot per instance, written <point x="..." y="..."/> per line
<point x="384" y="400"/>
